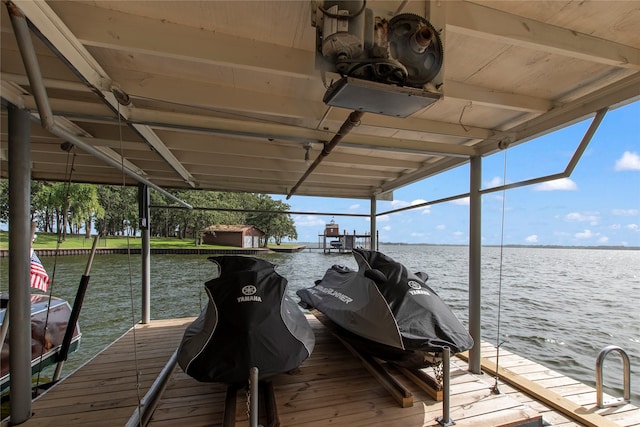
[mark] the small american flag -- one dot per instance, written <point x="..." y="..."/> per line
<point x="39" y="277"/>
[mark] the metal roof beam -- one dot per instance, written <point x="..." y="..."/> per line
<point x="72" y="50"/>
<point x="171" y="120"/>
<point x="47" y="118"/>
<point x="621" y="92"/>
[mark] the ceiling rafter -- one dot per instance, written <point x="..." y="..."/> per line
<point x="236" y="98"/>
<point x="72" y="128"/>
<point x="64" y="41"/>
<point x="491" y="24"/>
<point x="622" y="91"/>
<point x="195" y="45"/>
<point x="186" y="42"/>
<point x="493" y="98"/>
<point x="142" y="118"/>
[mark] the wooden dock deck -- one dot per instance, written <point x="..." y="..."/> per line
<point x="330" y="388"/>
<point x="105" y="391"/>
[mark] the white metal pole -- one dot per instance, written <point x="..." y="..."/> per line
<point x="372" y="231"/>
<point x="19" y="260"/>
<point x="475" y="250"/>
<point x="143" y="201"/>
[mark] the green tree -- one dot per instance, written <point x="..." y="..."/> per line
<point x="41" y="211"/>
<point x="121" y="210"/>
<point x="198" y="219"/>
<point x="161" y="220"/>
<point x="275" y="226"/>
<point x="114" y="210"/>
<point x="84" y="207"/>
<point x="284" y="229"/>
<point x="54" y="199"/>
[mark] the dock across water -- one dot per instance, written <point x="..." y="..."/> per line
<point x="332" y="387"/>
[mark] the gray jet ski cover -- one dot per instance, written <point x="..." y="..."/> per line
<point x="248" y="322"/>
<point x="385" y="303"/>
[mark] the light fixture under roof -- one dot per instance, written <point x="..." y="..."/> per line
<point x="379" y="98"/>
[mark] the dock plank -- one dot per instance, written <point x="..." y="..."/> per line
<point x="106" y="390"/>
<point x="558" y="398"/>
<point x="330" y="388"/>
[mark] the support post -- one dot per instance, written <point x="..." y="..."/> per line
<point x="253" y="396"/>
<point x="475" y="250"/>
<point x="143" y="205"/>
<point x="19" y="264"/>
<point x="445" y="420"/>
<point x="372" y="230"/>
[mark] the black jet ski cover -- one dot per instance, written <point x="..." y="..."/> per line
<point x="248" y="322"/>
<point x="391" y="308"/>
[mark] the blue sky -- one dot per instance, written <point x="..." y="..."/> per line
<point x="599" y="204"/>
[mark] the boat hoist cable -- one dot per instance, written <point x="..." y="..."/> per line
<point x="352" y="121"/>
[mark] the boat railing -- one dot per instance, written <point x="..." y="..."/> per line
<point x="599" y="377"/>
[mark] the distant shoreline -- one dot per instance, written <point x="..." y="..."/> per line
<point x="154" y="251"/>
<point x="497" y="246"/>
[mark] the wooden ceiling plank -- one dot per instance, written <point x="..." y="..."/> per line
<point x="345" y="171"/>
<point x="58" y="34"/>
<point x="277" y="131"/>
<point x="214" y="97"/>
<point x="492" y="98"/>
<point x="116" y="30"/>
<point x="492" y="24"/>
<point x="64" y="41"/>
<point x="621" y="92"/>
<point x="336" y="159"/>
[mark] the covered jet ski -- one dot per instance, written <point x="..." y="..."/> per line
<point x="386" y="311"/>
<point x="248" y="322"/>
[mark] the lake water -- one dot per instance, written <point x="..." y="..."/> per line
<point x="559" y="307"/>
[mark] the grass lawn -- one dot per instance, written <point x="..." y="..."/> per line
<point x="75" y="241"/>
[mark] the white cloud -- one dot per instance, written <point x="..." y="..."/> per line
<point x="603" y="240"/>
<point x="574" y="216"/>
<point x="354" y="207"/>
<point x="308" y="221"/>
<point x="628" y="162"/>
<point x="387" y="228"/>
<point x="532" y="239"/>
<point x="633" y="227"/>
<point x="397" y="204"/>
<point x="461" y="202"/>
<point x="592" y="217"/>
<point x="383" y="218"/>
<point x="458" y="233"/>
<point x="441" y="227"/>
<point x="562" y="184"/>
<point x="495" y="182"/>
<point x="625" y="212"/>
<point x="586" y="234"/>
<point x="424" y="209"/>
<point x="615" y="226"/>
